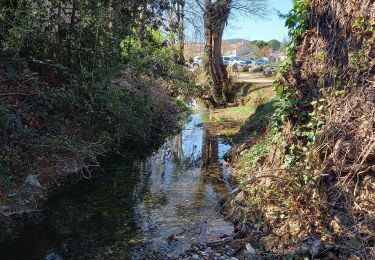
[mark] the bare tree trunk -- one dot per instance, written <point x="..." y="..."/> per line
<point x="111" y="15"/>
<point x="73" y="15"/>
<point x="171" y="23"/>
<point x="71" y="29"/>
<point x="216" y="16"/>
<point x="142" y="19"/>
<point x="180" y="30"/>
<point x="216" y="67"/>
<point x="216" y="91"/>
<point x="214" y="62"/>
<point x="58" y="33"/>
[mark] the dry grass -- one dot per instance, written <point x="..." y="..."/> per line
<point x="328" y="193"/>
<point x="229" y="121"/>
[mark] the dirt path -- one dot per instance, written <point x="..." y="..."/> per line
<point x="243" y="114"/>
<point x="256" y="77"/>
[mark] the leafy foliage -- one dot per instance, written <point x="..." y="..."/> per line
<point x="79" y="77"/>
<point x="318" y="151"/>
<point x="296" y="22"/>
<point x="280" y="190"/>
<point x="160" y="61"/>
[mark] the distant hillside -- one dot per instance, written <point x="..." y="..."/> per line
<point x="236" y="40"/>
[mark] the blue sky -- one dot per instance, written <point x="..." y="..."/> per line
<point x="251" y="29"/>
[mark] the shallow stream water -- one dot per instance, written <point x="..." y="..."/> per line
<point x="152" y="208"/>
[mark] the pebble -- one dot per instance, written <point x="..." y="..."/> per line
<point x="249" y="249"/>
<point x="4" y="208"/>
<point x="195" y="256"/>
<point x="32" y="180"/>
<point x="12" y="193"/>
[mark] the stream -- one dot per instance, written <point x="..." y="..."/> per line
<point x="151" y="208"/>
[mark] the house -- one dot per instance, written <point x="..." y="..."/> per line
<point x="193" y="50"/>
<point x="238" y="47"/>
<point x="277" y="57"/>
<point x="232" y="47"/>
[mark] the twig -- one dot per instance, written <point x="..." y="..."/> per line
<point x="16" y="94"/>
<point x="8" y="214"/>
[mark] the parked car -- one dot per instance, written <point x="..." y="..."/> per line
<point x="197" y="62"/>
<point x="240" y="59"/>
<point x="238" y="63"/>
<point x="262" y="62"/>
<point x="226" y="60"/>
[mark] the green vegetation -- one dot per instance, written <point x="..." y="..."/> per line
<point x="274" y="44"/>
<point x="272" y="158"/>
<point x="296" y="21"/>
<point x="77" y="79"/>
<point x="313" y="156"/>
<point x="81" y="78"/>
<point x="251" y="116"/>
<point x="285" y="102"/>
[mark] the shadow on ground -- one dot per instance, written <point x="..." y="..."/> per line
<point x="257" y="123"/>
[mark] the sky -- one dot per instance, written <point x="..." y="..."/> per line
<point x="251" y="29"/>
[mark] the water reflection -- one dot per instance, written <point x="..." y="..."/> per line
<point x="180" y="207"/>
<point x="145" y="209"/>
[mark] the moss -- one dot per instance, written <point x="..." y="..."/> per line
<point x="180" y="103"/>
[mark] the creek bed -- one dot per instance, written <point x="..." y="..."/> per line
<point x="152" y="208"/>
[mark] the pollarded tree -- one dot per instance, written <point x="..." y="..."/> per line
<point x="216" y="14"/>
